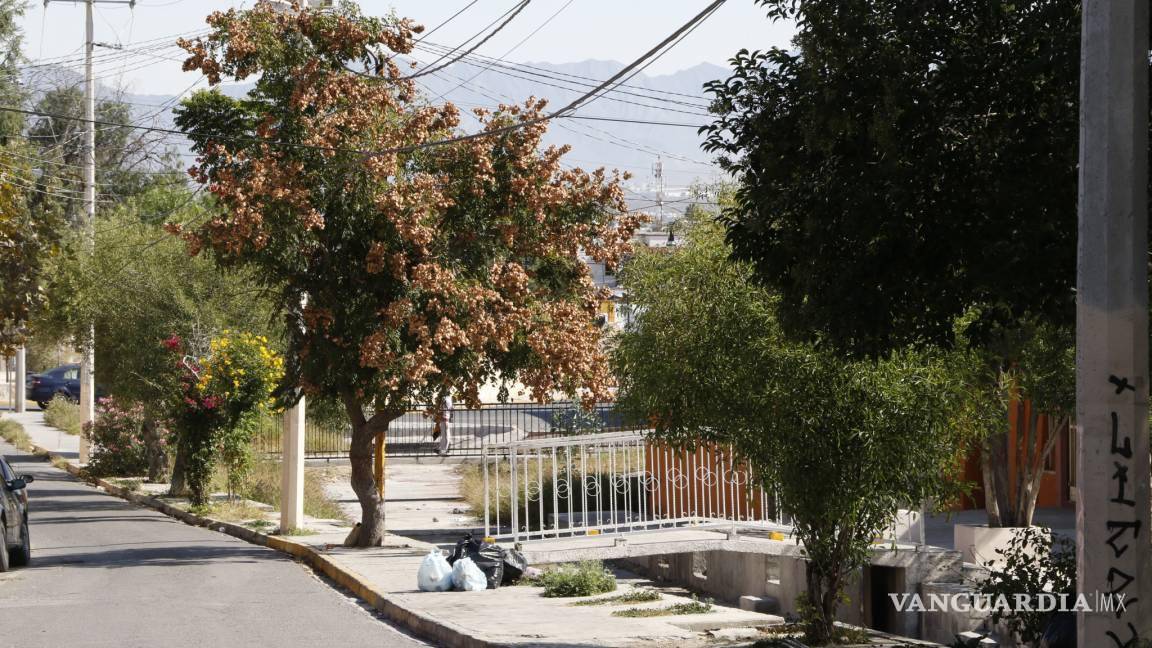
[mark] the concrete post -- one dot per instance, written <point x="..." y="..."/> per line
<point x="292" y="469"/>
<point x="1112" y="516"/>
<point x="21" y="369"/>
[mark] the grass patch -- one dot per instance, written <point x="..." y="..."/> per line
<point x="131" y="485"/>
<point x="14" y="433"/>
<point x="64" y="415"/>
<point x="296" y="532"/>
<point x="237" y="511"/>
<point x="260" y="525"/>
<point x="637" y="595"/>
<point x="62" y="464"/>
<point x="263" y="485"/>
<point x="691" y="607"/>
<point x="577" y="579"/>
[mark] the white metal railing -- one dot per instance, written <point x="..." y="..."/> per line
<point x="614" y="483"/>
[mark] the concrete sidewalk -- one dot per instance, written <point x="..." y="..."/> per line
<point x="520" y="615"/>
<point x="51" y="439"/>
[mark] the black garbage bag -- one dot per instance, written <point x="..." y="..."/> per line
<point x="514" y="566"/>
<point x="1060" y="632"/>
<point x="488" y="557"/>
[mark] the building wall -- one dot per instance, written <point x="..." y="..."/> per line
<point x="1054" y="485"/>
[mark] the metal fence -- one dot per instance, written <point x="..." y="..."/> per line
<point x="614" y="483"/>
<point x="621" y="482"/>
<point x="471" y="429"/>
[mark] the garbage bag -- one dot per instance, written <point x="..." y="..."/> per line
<point x="435" y="573"/>
<point x="514" y="566"/>
<point x="467" y="577"/>
<point x="488" y="557"/>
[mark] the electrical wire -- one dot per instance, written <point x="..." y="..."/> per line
<point x="579" y="102"/>
<point x="511" y="15"/>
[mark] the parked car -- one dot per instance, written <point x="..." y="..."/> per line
<point x="62" y="381"/>
<point x="16" y="550"/>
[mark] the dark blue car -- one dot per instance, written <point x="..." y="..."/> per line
<point x="62" y="381"/>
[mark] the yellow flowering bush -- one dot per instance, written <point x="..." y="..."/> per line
<point x="223" y="394"/>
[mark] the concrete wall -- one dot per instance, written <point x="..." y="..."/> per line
<point x="726" y="576"/>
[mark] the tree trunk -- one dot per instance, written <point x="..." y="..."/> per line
<point x="361" y="457"/>
<point x="178" y="486"/>
<point x="999" y="466"/>
<point x="154" y="447"/>
<point x="1056" y="427"/>
<point x="823" y="596"/>
<point x="364" y="484"/>
<point x="991" y="503"/>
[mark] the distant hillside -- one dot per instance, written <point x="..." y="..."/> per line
<point x="632" y="147"/>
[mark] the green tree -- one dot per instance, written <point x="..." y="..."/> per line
<point x="405" y="267"/>
<point x="844" y="443"/>
<point x="139" y="288"/>
<point x="910" y="167"/>
<point x="128" y="161"/>
<point x="26" y="245"/>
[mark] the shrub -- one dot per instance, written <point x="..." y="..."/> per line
<point x="119" y="448"/>
<point x="1033" y="563"/>
<point x="63" y="414"/>
<point x="579" y="579"/>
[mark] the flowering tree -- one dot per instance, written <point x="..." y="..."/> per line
<point x="425" y="267"/>
<point x="214" y="413"/>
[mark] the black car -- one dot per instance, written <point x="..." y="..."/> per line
<point x="62" y="381"/>
<point x="17" y="547"/>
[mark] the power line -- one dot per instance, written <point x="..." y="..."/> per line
<point x="563" y="112"/>
<point x="514" y="47"/>
<point x="516" y="71"/>
<point x="511" y="15"/>
<point x="548" y="73"/>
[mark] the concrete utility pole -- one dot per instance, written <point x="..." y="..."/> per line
<point x="1112" y="513"/>
<point x="88" y="344"/>
<point x="292" y="470"/>
<point x="18" y="384"/>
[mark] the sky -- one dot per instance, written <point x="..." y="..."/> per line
<point x="618" y="30"/>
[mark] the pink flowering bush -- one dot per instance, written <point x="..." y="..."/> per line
<point x="118" y="440"/>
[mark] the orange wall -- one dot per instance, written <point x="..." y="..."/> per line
<point x="728" y="495"/>
<point x="1053" y="485"/>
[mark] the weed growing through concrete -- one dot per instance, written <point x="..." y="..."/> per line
<point x="637" y="595"/>
<point x="692" y="607"/>
<point x="577" y="579"/>
<point x="260" y="525"/>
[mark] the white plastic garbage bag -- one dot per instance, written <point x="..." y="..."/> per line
<point x="435" y="573"/>
<point x="467" y="576"/>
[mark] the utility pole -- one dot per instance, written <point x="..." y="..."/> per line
<point x="1112" y="508"/>
<point x="658" y="174"/>
<point x="88" y="343"/>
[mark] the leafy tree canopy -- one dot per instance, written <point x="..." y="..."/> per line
<point x="844" y="443"/>
<point x="905" y="162"/>
<point x="425" y="267"/>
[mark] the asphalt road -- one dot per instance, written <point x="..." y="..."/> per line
<point x="108" y="573"/>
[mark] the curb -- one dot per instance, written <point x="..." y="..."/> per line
<point x="418" y="623"/>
